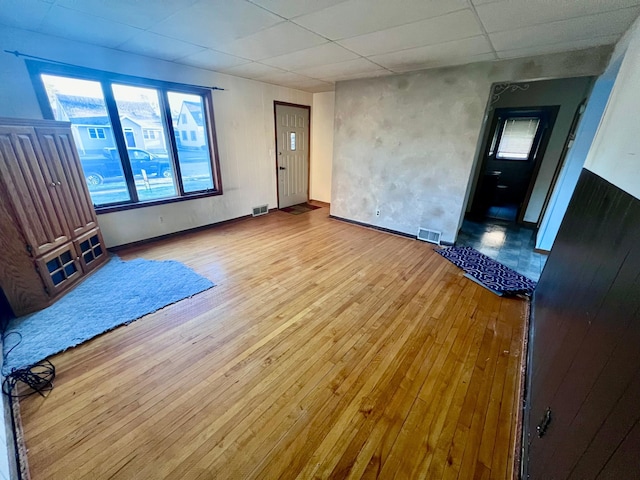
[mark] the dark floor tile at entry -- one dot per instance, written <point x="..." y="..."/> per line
<point x="508" y="243"/>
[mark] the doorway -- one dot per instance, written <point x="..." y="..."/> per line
<point x="516" y="144"/>
<point x="130" y="137"/>
<point x="514" y="147"/>
<point x="292" y="153"/>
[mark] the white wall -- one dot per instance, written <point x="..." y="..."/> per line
<point x="406" y="144"/>
<point x="615" y="153"/>
<point x="244" y="127"/>
<point x="322" y="113"/>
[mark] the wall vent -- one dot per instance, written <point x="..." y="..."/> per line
<point x="261" y="210"/>
<point x="431" y="236"/>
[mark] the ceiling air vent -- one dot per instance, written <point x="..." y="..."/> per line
<point x="430" y="236"/>
<point x="261" y="210"/>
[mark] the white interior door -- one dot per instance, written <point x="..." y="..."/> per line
<point x="292" y="146"/>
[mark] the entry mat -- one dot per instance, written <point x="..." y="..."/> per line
<point x="491" y="274"/>
<point x="298" y="209"/>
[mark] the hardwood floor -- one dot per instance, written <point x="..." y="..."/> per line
<point x="326" y="350"/>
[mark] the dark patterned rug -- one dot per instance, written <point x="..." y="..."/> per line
<point x="298" y="209"/>
<point x="488" y="272"/>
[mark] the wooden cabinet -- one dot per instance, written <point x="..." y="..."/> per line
<point x="49" y="234"/>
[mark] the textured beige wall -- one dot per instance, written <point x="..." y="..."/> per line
<point x="407" y="144"/>
<point x="322" y="113"/>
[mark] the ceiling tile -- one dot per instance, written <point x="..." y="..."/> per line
<point x="458" y="49"/>
<point x="462" y="24"/>
<point x="74" y="25"/>
<point x="354" y="76"/>
<point x="287" y="79"/>
<point x="311" y="57"/>
<point x="610" y="23"/>
<point x="138" y="13"/>
<point x="283" y="76"/>
<point x="252" y="70"/>
<point x="559" y="47"/>
<point x="341" y="69"/>
<point x="158" y="46"/>
<point x="326" y="87"/>
<point x="358" y="17"/>
<point x="280" y="39"/>
<point x="211" y="23"/>
<point x="512" y="14"/>
<point x="294" y="8"/>
<point x="446" y="62"/>
<point x="23" y="13"/>
<point x="312" y="85"/>
<point x="212" y="60"/>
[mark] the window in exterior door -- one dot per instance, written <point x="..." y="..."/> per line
<point x="518" y="135"/>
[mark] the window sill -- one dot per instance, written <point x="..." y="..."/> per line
<point x="152" y="203"/>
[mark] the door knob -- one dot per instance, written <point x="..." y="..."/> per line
<point x="282" y="168"/>
<point x="279" y="153"/>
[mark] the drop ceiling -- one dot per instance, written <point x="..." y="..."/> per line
<point x="311" y="44"/>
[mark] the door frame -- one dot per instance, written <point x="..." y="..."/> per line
<point x="542" y="140"/>
<point x="275" y="136"/>
<point x="577" y="116"/>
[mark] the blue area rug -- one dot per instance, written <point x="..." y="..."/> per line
<point x="488" y="272"/>
<point x="118" y="293"/>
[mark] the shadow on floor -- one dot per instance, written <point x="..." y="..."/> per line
<point x="506" y="242"/>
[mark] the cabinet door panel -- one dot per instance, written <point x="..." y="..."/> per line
<point x="60" y="150"/>
<point x="91" y="250"/>
<point x="59" y="268"/>
<point x="31" y="188"/>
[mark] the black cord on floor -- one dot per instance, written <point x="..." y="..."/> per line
<point x="38" y="377"/>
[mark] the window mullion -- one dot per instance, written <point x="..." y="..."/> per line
<point x="118" y="136"/>
<point x="165" y="108"/>
<point x="210" y="129"/>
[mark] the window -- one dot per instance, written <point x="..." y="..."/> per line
<point x="140" y="157"/>
<point x="195" y="165"/>
<point x="96" y="133"/>
<point x="292" y="140"/>
<point x="149" y="134"/>
<point x="518" y="135"/>
<point x="140" y="104"/>
<point x="82" y="102"/>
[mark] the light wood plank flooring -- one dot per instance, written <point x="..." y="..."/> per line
<point x="326" y="350"/>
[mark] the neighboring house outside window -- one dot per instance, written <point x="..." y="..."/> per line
<point x="191" y="125"/>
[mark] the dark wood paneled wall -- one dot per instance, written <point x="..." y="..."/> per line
<point x="585" y="341"/>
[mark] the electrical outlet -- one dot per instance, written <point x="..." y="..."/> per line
<point x="377" y="212"/>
